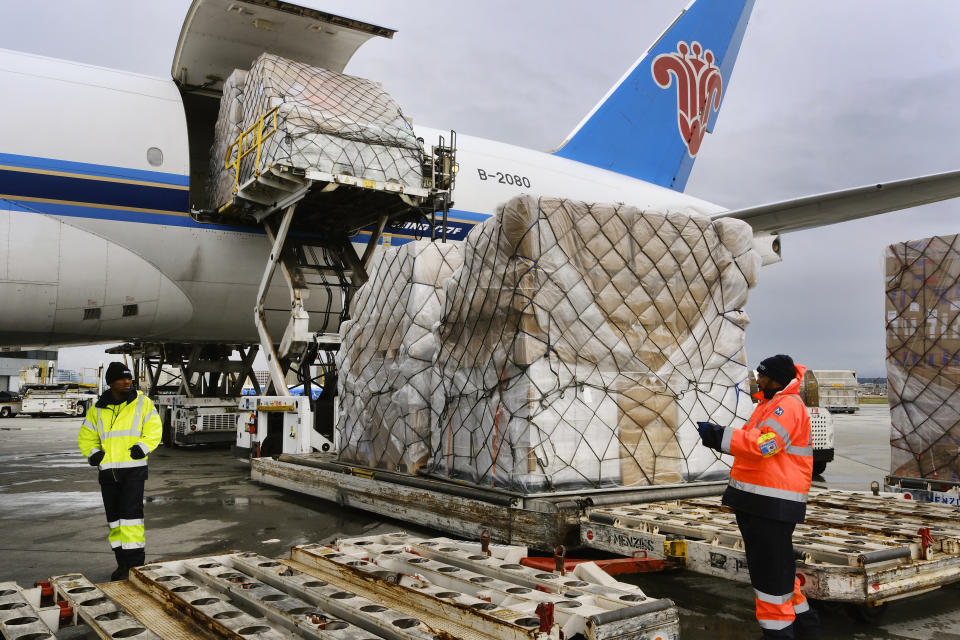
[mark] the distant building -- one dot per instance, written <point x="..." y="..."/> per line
<point x="873" y="386"/>
<point x="13" y="359"/>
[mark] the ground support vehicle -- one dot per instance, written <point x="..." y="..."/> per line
<point x="835" y="391"/>
<point x="273" y="425"/>
<point x="821" y="438"/>
<point x="392" y="586"/>
<point x="195" y="386"/>
<point x="189" y="421"/>
<point x="854" y="547"/>
<point x="63" y="398"/>
<point x="10" y="404"/>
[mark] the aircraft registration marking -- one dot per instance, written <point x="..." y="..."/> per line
<point x="513" y="179"/>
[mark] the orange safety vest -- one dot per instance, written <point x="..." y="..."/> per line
<point x="772" y="457"/>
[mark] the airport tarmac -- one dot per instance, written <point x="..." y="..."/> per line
<point x="201" y="501"/>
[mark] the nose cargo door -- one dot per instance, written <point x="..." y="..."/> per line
<point x="219" y="36"/>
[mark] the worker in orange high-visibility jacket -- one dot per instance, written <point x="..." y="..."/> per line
<point x="117" y="433"/>
<point x="769" y="482"/>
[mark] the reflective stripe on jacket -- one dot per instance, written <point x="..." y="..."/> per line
<point x="114" y="428"/>
<point x="772" y="457"/>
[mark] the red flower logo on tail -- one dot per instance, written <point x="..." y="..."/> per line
<point x="699" y="88"/>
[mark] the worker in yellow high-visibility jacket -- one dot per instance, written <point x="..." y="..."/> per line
<point x="117" y="433"/>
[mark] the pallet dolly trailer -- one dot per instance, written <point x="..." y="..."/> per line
<point x="857" y="548"/>
<point x="392" y="586"/>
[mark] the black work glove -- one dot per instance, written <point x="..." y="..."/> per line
<point x="137" y="453"/>
<point x="710" y="434"/>
<point x="96" y="458"/>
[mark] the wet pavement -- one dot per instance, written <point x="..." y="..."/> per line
<point x="198" y="500"/>
<point x="201" y="501"/>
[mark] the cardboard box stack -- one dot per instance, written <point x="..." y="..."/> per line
<point x="923" y="357"/>
<point x="579" y="344"/>
<point x="386" y="374"/>
<point x="327" y="121"/>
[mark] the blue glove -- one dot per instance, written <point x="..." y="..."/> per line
<point x="137" y="453"/>
<point x="710" y="434"/>
<point x="96" y="458"/>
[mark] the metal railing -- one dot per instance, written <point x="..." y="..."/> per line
<point x="245" y="147"/>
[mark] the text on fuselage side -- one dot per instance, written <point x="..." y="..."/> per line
<point x="514" y="179"/>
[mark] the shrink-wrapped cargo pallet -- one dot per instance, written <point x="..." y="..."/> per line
<point x="328" y="121"/>
<point x="580" y="343"/>
<point x="229" y="126"/>
<point x="923" y="357"/>
<point x="385" y="364"/>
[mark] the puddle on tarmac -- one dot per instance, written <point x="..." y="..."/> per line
<point x="54" y="459"/>
<point x="17" y="484"/>
<point x="242" y="502"/>
<point x="37" y="504"/>
<point x="56" y="464"/>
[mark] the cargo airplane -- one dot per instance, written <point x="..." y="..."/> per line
<point x="98" y="240"/>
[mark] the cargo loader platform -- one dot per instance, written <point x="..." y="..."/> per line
<point x="854" y="547"/>
<point x="390" y="586"/>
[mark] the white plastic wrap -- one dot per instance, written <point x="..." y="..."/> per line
<point x="327" y="121"/>
<point x="229" y="126"/>
<point x="386" y="375"/>
<point x="923" y="357"/>
<point x="579" y="344"/>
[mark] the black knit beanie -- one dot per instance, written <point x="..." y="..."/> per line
<point x="115" y="371"/>
<point x="779" y="367"/>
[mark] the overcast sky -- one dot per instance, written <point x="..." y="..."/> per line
<point x="826" y="94"/>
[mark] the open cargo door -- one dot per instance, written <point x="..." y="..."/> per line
<point x="219" y="36"/>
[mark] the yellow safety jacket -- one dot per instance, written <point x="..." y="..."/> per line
<point x="114" y="428"/>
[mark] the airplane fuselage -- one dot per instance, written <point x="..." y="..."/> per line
<point x="96" y="239"/>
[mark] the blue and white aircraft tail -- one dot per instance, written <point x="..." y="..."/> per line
<point x="651" y="123"/>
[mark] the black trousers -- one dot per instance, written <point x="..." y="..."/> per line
<point x="122" y="492"/>
<point x="769" y="548"/>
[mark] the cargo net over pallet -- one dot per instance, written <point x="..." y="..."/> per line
<point x="385" y="363"/>
<point x="580" y="343"/>
<point x="575" y="347"/>
<point x="331" y="122"/>
<point x="923" y="357"/>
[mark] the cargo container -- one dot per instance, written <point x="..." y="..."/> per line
<point x="837" y="391"/>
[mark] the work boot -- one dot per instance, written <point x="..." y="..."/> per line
<point x="807" y="625"/>
<point x="120" y="573"/>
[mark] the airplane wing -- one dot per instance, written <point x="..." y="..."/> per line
<point x="839" y="206"/>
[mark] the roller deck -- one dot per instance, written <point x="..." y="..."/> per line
<point x="390" y="586"/>
<point x="855" y="547"/>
